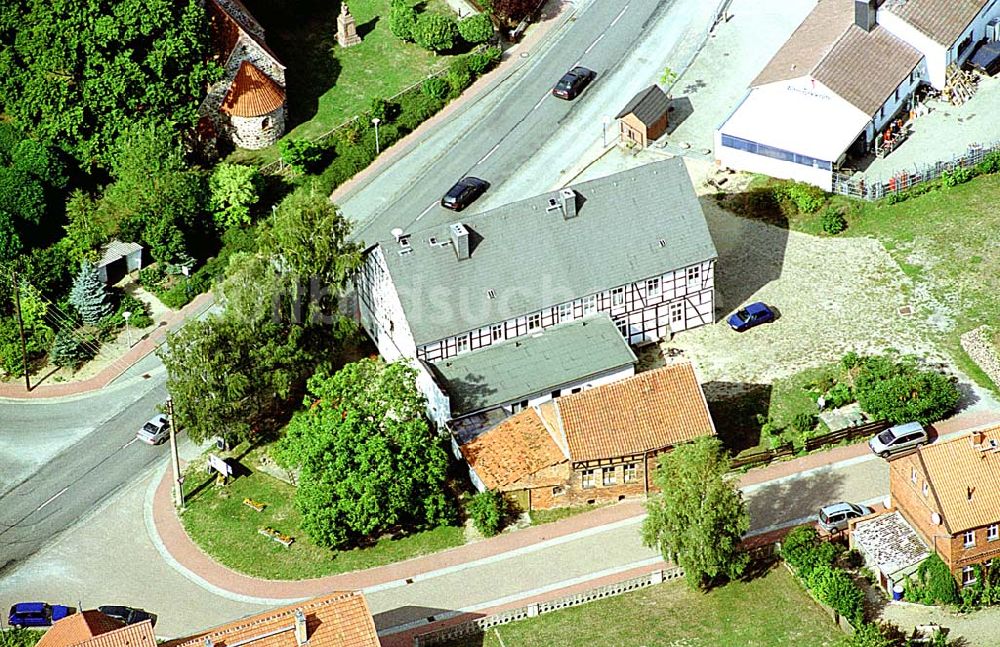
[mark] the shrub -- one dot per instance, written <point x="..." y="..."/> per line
<point x="934" y="583"/>
<point x="959" y="175"/>
<point x="402" y="20"/>
<point x="385" y="110"/>
<point x="72" y="348"/>
<point x="476" y="29"/>
<point x="435" y="87"/>
<point x="481" y="62"/>
<point x="833" y="222"/>
<point x="488" y="510"/>
<point x="990" y="163"/>
<point x="837" y="588"/>
<point x="803" y="422"/>
<point x="152" y="277"/>
<point x="416" y="107"/>
<point x="459" y="76"/>
<point x="300" y="154"/>
<point x="901" y="392"/>
<point x="839" y="395"/>
<point x="435" y="32"/>
<point x="138" y="315"/>
<point x="797" y="544"/>
<point x="806" y="197"/>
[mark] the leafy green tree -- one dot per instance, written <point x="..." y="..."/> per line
<point x="38" y="335"/>
<point x="10" y="241"/>
<point x="90" y="296"/>
<point x="369" y="459"/>
<point x="300" y="154"/>
<point x="78" y="73"/>
<point x="89" y="224"/>
<point x="234" y="189"/>
<point x="935" y="583"/>
<point x="402" y="20"/>
<point x="476" y="29"/>
<point x="488" y="510"/>
<point x="435" y="87"/>
<point x="699" y="517"/>
<point x="21" y="195"/>
<point x="40" y="161"/>
<point x="435" y="32"/>
<point x="898" y="390"/>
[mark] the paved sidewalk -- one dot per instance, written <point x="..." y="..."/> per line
<point x="173" y="321"/>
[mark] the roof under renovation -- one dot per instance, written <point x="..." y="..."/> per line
<point x="890" y="543"/>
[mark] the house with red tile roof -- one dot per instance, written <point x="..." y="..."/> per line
<point x="949" y="492"/>
<point x="247" y="105"/>
<point x="598" y="445"/>
<point x="338" y="619"/>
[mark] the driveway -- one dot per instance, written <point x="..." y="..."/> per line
<point x="980" y="628"/>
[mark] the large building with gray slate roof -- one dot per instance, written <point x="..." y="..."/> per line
<point x="633" y="248"/>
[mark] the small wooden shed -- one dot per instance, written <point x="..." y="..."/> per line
<point x="117" y="260"/>
<point x="644" y="118"/>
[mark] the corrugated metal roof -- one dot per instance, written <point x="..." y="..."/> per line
<point x="943" y="21"/>
<point x="647" y="106"/>
<point x="115" y="250"/>
<point x="531" y="258"/>
<point x="514" y="369"/>
<point x="252" y="93"/>
<point x="651" y="410"/>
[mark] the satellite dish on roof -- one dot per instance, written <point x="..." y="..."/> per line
<point x="886" y="502"/>
<point x="396" y="233"/>
<point x="936" y="518"/>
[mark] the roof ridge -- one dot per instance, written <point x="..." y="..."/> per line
<point x="559" y="434"/>
<point x="933" y="489"/>
<point x="833" y="46"/>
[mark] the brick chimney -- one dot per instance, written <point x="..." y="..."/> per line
<point x="301" y="633"/>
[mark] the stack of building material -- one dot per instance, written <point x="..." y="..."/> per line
<point x="959" y="85"/>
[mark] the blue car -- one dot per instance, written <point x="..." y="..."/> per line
<point x="36" y="614"/>
<point x="750" y="316"/>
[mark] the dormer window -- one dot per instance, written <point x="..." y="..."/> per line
<point x="913" y="474"/>
<point x="925" y="489"/>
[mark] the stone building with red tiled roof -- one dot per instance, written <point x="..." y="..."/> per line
<point x="949" y="492"/>
<point x="247" y="105"/>
<point x="598" y="445"/>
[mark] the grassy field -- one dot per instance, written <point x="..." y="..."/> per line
<point x="769" y="611"/>
<point x="538" y="517"/>
<point x="218" y="521"/>
<point x="328" y="84"/>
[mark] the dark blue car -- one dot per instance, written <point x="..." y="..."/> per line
<point x="750" y="316"/>
<point x="36" y="614"/>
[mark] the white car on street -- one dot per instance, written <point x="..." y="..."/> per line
<point x="155" y="431"/>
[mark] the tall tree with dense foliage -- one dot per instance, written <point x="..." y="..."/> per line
<point x="89" y="295"/>
<point x="369" y="460"/>
<point x="78" y="73"/>
<point x="37" y="332"/>
<point x="699" y="517"/>
<point x="234" y="189"/>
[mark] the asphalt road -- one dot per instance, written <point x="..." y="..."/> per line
<point x="83" y="474"/>
<point x="600" y="37"/>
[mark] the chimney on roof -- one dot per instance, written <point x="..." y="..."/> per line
<point x="567" y="198"/>
<point x="460" y="240"/>
<point x="301" y="634"/>
<point x="969" y="491"/>
<point x="978" y="437"/>
<point x="864" y="13"/>
<point x="208" y="642"/>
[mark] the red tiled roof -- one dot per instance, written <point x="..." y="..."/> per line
<point x="648" y="411"/>
<point x="340" y="619"/>
<point x="94" y="629"/>
<point x="517" y="447"/>
<point x="956" y="469"/>
<point x="252" y="93"/>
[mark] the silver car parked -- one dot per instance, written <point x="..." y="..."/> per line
<point x="898" y="439"/>
<point x="155" y="431"/>
<point x="835" y="516"/>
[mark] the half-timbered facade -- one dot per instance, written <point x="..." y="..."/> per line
<point x="632" y="247"/>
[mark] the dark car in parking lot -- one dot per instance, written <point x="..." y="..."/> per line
<point x="128" y="615"/>
<point x="750" y="316"/>
<point x="36" y="614"/>
<point x="573" y="82"/>
<point x="464" y="193"/>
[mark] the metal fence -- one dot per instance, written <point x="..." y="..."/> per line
<point x="875" y="188"/>
<point x="479" y="626"/>
<point x="847" y="433"/>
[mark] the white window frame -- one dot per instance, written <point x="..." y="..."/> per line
<point x="925" y="489"/>
<point x="693" y="274"/>
<point x="462" y="344"/>
<point x="653" y="287"/>
<point x="629" y="473"/>
<point x="993" y="532"/>
<point x="589" y="305"/>
<point x="588" y="478"/>
<point x="969" y="540"/>
<point x="617" y="297"/>
<point x="913" y="475"/>
<point x="676" y="312"/>
<point x="565" y="312"/>
<point x="968" y="576"/>
<point x="534" y="322"/>
<point x="608" y="476"/>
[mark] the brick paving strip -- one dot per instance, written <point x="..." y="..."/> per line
<point x="172" y="321"/>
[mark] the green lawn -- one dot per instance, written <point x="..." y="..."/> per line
<point x="770" y="611"/>
<point x="328" y="84"/>
<point x="218" y="521"/>
<point x="538" y="517"/>
<point x="20" y="637"/>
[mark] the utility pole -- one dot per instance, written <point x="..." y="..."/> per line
<point x="20" y="325"/>
<point x="178" y="492"/>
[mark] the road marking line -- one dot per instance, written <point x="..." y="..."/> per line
<point x="492" y="150"/>
<point x="594" y="44"/>
<point x="52" y="498"/>
<point x="540" y="100"/>
<point x="424" y="212"/>
<point x="129" y="443"/>
<point x="619" y="16"/>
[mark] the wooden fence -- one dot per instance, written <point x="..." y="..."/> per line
<point x="847" y="433"/>
<point x="874" y="188"/>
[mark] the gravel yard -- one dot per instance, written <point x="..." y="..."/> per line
<point x="978" y="628"/>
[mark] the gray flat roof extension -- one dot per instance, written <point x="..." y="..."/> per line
<point x="522" y="367"/>
<point x="525" y="256"/>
